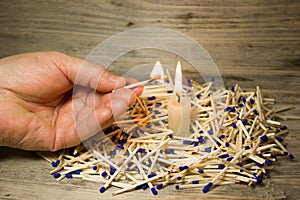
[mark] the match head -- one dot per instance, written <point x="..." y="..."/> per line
<point x="151" y="175"/>
<point x="104" y="174"/>
<point x="153" y="190"/>
<point x="207" y="187"/>
<point x="159" y="186"/>
<point x="55" y="163"/>
<point x="69" y="175"/>
<point x="102" y="189"/>
<point x="56" y="175"/>
<point x="268" y="162"/>
<point x="263" y="138"/>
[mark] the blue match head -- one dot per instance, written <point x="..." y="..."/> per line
<point x="112" y="171"/>
<point x="144" y="186"/>
<point x="233" y="125"/>
<point x="170" y="135"/>
<point x="187" y="142"/>
<point x="200" y="171"/>
<point x="284" y="128"/>
<point x="142" y="131"/>
<point x="104" y="174"/>
<point x="188" y="83"/>
<point x="279" y="139"/>
<point x="241" y="170"/>
<point x="157" y="112"/>
<point x="224" y="155"/>
<point x="232" y="89"/>
<point x="252" y="101"/>
<point x="247" y="147"/>
<point x="263" y="138"/>
<point x="78" y="171"/>
<point x="123" y="141"/>
<point x="277" y="130"/>
<point x="259" y="165"/>
<point x="151" y="98"/>
<point x="285" y="153"/>
<point x="140" y="150"/>
<point x="207" y="187"/>
<point x="241" y="105"/>
<point x="119" y="147"/>
<point x="221" y="166"/>
<point x="198" y="96"/>
<point x="227" y="109"/>
<point x="243" y="99"/>
<point x="153" y="190"/>
<point x="291" y="156"/>
<point x="232" y="109"/>
<point x="229" y="159"/>
<point x="177" y="187"/>
<point x="56" y="175"/>
<point x="102" y="189"/>
<point x="221" y="136"/>
<point x="195" y="182"/>
<point x="255" y="112"/>
<point x="212" y="79"/>
<point x="179" y="178"/>
<point x="113" y="152"/>
<point x="151" y="175"/>
<point x="227" y="144"/>
<point x="148" y="126"/>
<point x="69" y="175"/>
<point x="159" y="186"/>
<point x="195" y="144"/>
<point x="258" y="179"/>
<point x="201" y="139"/>
<point x="95" y="167"/>
<point x="260" y="155"/>
<point x="268" y="162"/>
<point x="54" y="164"/>
<point x="240" y="164"/>
<point x="210" y="132"/>
<point x="245" y="121"/>
<point x="158" y="104"/>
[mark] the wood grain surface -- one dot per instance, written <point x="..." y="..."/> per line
<point x="252" y="42"/>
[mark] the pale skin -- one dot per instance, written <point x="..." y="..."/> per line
<point x="38" y="110"/>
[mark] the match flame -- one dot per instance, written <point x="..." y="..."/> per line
<point x="157" y="72"/>
<point x="178" y="80"/>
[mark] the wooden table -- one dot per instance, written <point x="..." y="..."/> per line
<point x="252" y="42"/>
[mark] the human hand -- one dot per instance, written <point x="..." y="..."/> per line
<point x="38" y="111"/>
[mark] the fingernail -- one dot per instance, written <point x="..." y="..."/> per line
<point x="138" y="90"/>
<point x="116" y="79"/>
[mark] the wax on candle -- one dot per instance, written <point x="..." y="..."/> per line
<point x="179" y="108"/>
<point x="179" y="115"/>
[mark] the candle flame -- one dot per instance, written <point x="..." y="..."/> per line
<point x="178" y="80"/>
<point x="157" y="72"/>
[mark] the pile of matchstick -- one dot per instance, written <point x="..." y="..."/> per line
<point x="234" y="138"/>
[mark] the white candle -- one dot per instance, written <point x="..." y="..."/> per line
<point x="179" y="108"/>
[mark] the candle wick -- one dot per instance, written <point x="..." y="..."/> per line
<point x="178" y="97"/>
